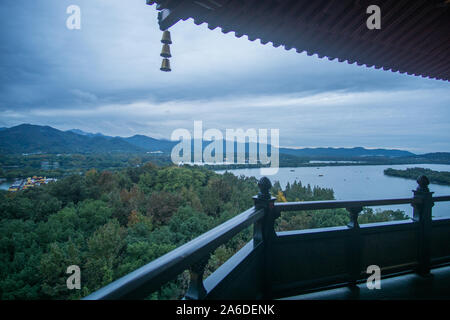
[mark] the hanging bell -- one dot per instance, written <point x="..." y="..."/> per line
<point x="165" y="65"/>
<point x="166" y="38"/>
<point x="165" y="53"/>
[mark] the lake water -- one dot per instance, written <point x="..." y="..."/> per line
<point x="360" y="183"/>
<point x="5" y="185"/>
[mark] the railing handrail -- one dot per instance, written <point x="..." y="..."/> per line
<point x="151" y="276"/>
<point x="336" y="204"/>
<point x="441" y="198"/>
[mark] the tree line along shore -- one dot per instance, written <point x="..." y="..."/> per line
<point x="437" y="177"/>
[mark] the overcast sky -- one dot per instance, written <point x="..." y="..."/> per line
<point x="106" y="78"/>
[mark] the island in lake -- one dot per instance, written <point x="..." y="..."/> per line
<point x="438" y="177"/>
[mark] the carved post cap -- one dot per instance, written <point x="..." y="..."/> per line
<point x="264" y="186"/>
<point x="423" y="183"/>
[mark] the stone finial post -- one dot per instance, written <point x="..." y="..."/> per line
<point x="264" y="186"/>
<point x="423" y="204"/>
<point x="264" y="228"/>
<point x="264" y="231"/>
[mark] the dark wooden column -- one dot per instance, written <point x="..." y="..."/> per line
<point x="423" y="204"/>
<point x="264" y="231"/>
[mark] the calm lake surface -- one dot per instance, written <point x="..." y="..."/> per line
<point x="5" y="185"/>
<point x="360" y="183"/>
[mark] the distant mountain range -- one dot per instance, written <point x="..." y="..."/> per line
<point x="346" y="152"/>
<point x="142" y="142"/>
<point x="151" y="144"/>
<point x="27" y="138"/>
<point x="83" y="133"/>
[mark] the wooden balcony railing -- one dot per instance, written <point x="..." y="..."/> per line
<point x="279" y="264"/>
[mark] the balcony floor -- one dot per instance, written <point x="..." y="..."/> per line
<point x="407" y="286"/>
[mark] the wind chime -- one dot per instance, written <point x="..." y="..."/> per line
<point x="165" y="53"/>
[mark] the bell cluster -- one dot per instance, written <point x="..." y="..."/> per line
<point x="165" y="52"/>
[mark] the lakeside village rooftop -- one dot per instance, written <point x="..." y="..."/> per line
<point x="30" y="182"/>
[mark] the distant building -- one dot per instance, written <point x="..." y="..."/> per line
<point x="45" y="165"/>
<point x="30" y="182"/>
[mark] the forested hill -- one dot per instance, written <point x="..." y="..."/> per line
<point x="43" y="139"/>
<point x="438" y="177"/>
<point x="110" y="224"/>
<point x="27" y="138"/>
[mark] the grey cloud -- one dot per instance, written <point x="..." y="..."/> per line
<point x="95" y="78"/>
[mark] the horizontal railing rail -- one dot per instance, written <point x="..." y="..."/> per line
<point x="441" y="198"/>
<point x="143" y="281"/>
<point x="337" y="204"/>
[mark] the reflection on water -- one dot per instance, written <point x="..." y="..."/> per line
<point x="360" y="183"/>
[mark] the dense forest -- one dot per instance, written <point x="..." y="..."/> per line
<point x="438" y="177"/>
<point x="111" y="223"/>
<point x="16" y="166"/>
<point x="59" y="165"/>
